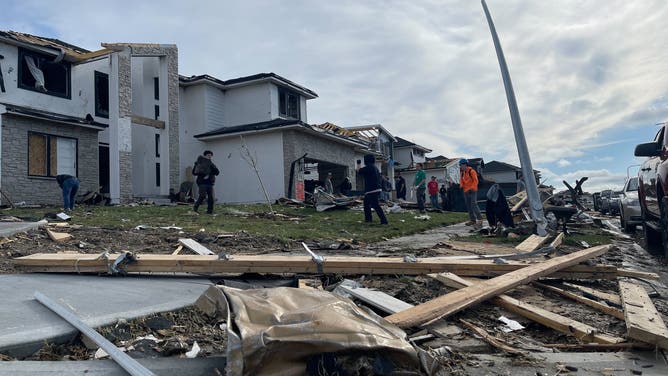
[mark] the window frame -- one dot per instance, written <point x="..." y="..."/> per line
<point x="284" y="105"/>
<point x="48" y="166"/>
<point x="98" y="110"/>
<point x="20" y="75"/>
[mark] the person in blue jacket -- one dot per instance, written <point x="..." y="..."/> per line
<point x="70" y="186"/>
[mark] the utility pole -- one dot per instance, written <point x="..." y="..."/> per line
<point x="535" y="203"/>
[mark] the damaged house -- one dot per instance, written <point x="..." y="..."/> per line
<point x="261" y="120"/>
<point x="67" y="110"/>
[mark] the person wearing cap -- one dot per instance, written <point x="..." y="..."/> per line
<point x="468" y="182"/>
<point x="329" y="187"/>
<point x="432" y="188"/>
<point x="206" y="173"/>
<point x="420" y="185"/>
<point x="372" y="188"/>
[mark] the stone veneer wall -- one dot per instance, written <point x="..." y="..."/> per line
<point x="43" y="190"/>
<point x="296" y="143"/>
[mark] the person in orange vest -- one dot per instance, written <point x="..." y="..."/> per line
<point x="468" y="182"/>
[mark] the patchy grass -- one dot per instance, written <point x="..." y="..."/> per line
<point x="291" y="224"/>
<point x="575" y="240"/>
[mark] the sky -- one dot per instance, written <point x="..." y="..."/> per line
<point x="589" y="76"/>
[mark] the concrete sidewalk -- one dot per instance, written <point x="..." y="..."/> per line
<point x="159" y="366"/>
<point x="97" y="300"/>
<point x="11" y="228"/>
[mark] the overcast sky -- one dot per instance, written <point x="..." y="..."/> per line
<point x="589" y="76"/>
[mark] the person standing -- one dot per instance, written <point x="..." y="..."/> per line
<point x="420" y="186"/>
<point x="521" y="186"/>
<point x="443" y="192"/>
<point x="346" y="186"/>
<point x="372" y="188"/>
<point x="432" y="188"/>
<point x="468" y="182"/>
<point x="70" y="186"/>
<point x="386" y="188"/>
<point x="206" y="172"/>
<point x="400" y="186"/>
<point x="329" y="187"/>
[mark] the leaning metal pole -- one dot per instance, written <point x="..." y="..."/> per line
<point x="522" y="149"/>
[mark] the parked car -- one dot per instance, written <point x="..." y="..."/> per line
<point x="653" y="189"/>
<point x="629" y="206"/>
<point x="604" y="204"/>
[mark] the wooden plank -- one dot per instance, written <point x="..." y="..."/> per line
<point x="146" y="263"/>
<point x="531" y="243"/>
<point x="378" y="299"/>
<point x="195" y="247"/>
<point x="178" y="249"/>
<point x="612" y="311"/>
<point x="643" y="321"/>
<point x="58" y="236"/>
<point x="606" y="296"/>
<point x="140" y="120"/>
<point x="558" y="240"/>
<point x="542" y="316"/>
<point x="457" y="300"/>
<point x="630" y="273"/>
<point x="519" y="204"/>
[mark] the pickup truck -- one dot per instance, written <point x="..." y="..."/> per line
<point x="653" y="190"/>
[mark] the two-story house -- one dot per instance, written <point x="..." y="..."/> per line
<point x="67" y="110"/>
<point x="407" y="153"/>
<point x="263" y="117"/>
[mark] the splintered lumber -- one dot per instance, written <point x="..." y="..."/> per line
<point x="557" y="240"/>
<point x="517" y="206"/>
<point x="195" y="247"/>
<point x="630" y="273"/>
<point x="148" y="263"/>
<point x="457" y="300"/>
<point x="612" y="311"/>
<point x="375" y="298"/>
<point x="560" y="323"/>
<point x="531" y="243"/>
<point x="597" y="294"/>
<point x="178" y="249"/>
<point x="492" y="340"/>
<point x="58" y="236"/>
<point x="124" y="360"/>
<point x="643" y="321"/>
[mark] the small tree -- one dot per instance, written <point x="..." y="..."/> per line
<point x="251" y="159"/>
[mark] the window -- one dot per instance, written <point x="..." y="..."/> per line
<point x="157" y="174"/>
<point x="101" y="94"/>
<point x="156" y="110"/>
<point x="42" y="73"/>
<point x="50" y="155"/>
<point x="288" y="104"/>
<point x="157" y="145"/>
<point x="156" y="88"/>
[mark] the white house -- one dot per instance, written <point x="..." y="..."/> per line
<point x="407" y="153"/>
<point x="260" y="119"/>
<point x="87" y="114"/>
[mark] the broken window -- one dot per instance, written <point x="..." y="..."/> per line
<point x="288" y="104"/>
<point x="42" y="73"/>
<point x="101" y="94"/>
<point x="50" y="155"/>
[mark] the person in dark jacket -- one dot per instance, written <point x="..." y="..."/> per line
<point x="400" y="185"/>
<point x="346" y="186"/>
<point x="70" y="186"/>
<point x="496" y="208"/>
<point x="372" y="188"/>
<point x="206" y="172"/>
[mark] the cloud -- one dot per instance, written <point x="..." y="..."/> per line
<point x="563" y="163"/>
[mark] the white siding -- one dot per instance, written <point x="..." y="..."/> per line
<point x="191" y="122"/>
<point x="248" y="104"/>
<point x="214" y="108"/>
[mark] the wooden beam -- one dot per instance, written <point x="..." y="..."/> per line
<point x="558" y="240"/>
<point x="602" y="307"/>
<point x="147" y="263"/>
<point x="531" y="243"/>
<point x="159" y="124"/>
<point x="195" y="247"/>
<point x="560" y="323"/>
<point x="643" y="321"/>
<point x="457" y="300"/>
<point x="178" y="249"/>
<point x="630" y="273"/>
<point x="519" y="204"/>
<point x="605" y="296"/>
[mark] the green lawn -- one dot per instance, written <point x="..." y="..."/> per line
<point x="300" y="223"/>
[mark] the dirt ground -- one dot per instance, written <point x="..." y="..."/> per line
<point x="176" y="332"/>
